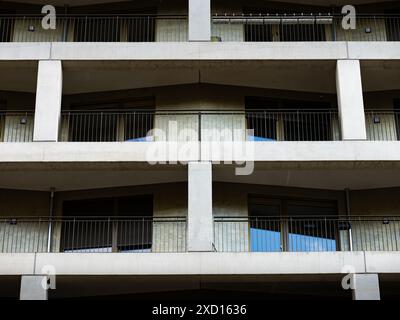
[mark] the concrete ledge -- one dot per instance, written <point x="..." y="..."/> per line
<point x="207" y="263"/>
<point x="183" y="263"/>
<point x="129" y="152"/>
<point x="374" y="50"/>
<point x="14" y="264"/>
<point x="25" y="51"/>
<point x="382" y="262"/>
<point x="200" y="51"/>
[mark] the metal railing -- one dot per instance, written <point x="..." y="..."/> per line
<point x="93" y="234"/>
<point x="306" y="234"/>
<point x="383" y="125"/>
<point x="254" y="125"/>
<point x="303" y="27"/>
<point x="95" y="28"/>
<point x="16" y="126"/>
<point x="294" y="125"/>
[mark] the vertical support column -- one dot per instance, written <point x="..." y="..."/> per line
<point x="32" y="288"/>
<point x="199" y="20"/>
<point x="350" y="100"/>
<point x="366" y="287"/>
<point x="48" y="101"/>
<point x="200" y="216"/>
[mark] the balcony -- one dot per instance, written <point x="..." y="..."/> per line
<point x="314" y="27"/>
<point x="383" y="125"/>
<point x="303" y="27"/>
<point x="251" y="125"/>
<point x="95" y="28"/>
<point x="16" y="126"/>
<point x="93" y="235"/>
<point x="306" y="234"/>
<point x="168" y="235"/>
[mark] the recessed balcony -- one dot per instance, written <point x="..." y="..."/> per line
<point x="209" y="126"/>
<point x="303" y="27"/>
<point x="95" y="28"/>
<point x="306" y="233"/>
<point x="314" y="27"/>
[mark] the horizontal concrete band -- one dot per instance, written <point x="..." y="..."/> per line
<point x="200" y="263"/>
<point x="157" y="152"/>
<point x="201" y="51"/>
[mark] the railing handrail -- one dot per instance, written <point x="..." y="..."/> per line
<point x="311" y="217"/>
<point x="16" y="111"/>
<point x="80" y="218"/>
<point x="298" y="15"/>
<point x="96" y="15"/>
<point x="210" y="111"/>
<point x="382" y="111"/>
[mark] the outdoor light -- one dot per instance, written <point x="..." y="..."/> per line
<point x="368" y="30"/>
<point x="385" y="221"/>
<point x="13" y="222"/>
<point x="377" y="119"/>
<point x="31" y="29"/>
<point x="23" y="121"/>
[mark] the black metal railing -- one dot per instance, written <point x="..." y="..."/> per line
<point x="383" y="125"/>
<point x="303" y="27"/>
<point x="306" y="234"/>
<point x="16" y="126"/>
<point x="95" y="28"/>
<point x="93" y="234"/>
<point x="254" y="125"/>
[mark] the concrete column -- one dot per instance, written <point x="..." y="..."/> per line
<point x="32" y="288"/>
<point x="366" y="287"/>
<point x="200" y="216"/>
<point x="48" y="101"/>
<point x="199" y="20"/>
<point x="350" y="100"/>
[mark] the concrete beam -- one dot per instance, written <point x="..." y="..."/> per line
<point x="32" y="288"/>
<point x="215" y="51"/>
<point x="350" y="100"/>
<point x="48" y="101"/>
<point x="366" y="287"/>
<point x="199" y="20"/>
<point x="130" y="152"/>
<point x="200" y="216"/>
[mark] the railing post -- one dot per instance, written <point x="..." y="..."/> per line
<point x="348" y="211"/>
<point x="51" y="215"/>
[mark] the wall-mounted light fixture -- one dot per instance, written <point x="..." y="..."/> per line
<point x="12" y="222"/>
<point x="23" y="121"/>
<point x="377" y="119"/>
<point x="31" y="29"/>
<point x="368" y="30"/>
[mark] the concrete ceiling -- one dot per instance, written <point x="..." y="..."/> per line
<point x="328" y="176"/>
<point x="97" y="76"/>
<point x="308" y="2"/>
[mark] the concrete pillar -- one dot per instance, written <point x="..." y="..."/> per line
<point x="32" y="288"/>
<point x="350" y="100"/>
<point x="48" y="101"/>
<point x="199" y="20"/>
<point x="200" y="216"/>
<point x="366" y="287"/>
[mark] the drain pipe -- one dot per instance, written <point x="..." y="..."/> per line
<point x="348" y="211"/>
<point x="51" y="216"/>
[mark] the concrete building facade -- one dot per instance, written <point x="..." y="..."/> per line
<point x="163" y="146"/>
